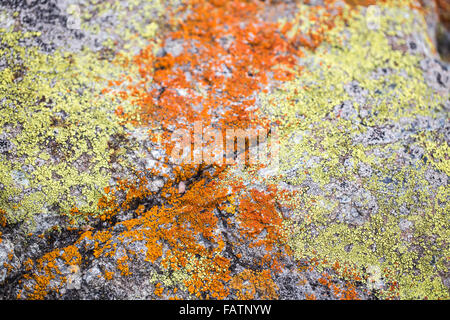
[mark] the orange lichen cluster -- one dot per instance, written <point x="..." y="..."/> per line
<point x="361" y="2"/>
<point x="346" y="292"/>
<point x="3" y="222"/>
<point x="8" y="266"/>
<point x="345" y="289"/>
<point x="182" y="235"/>
<point x="320" y="19"/>
<point x="250" y="284"/>
<point x="109" y="275"/>
<point x="122" y="265"/>
<point x="257" y="215"/>
<point x="47" y="276"/>
<point x="310" y="296"/>
<point x="229" y="54"/>
<point x="102" y="243"/>
<point x="71" y="256"/>
<point x="393" y="289"/>
<point x="179" y="225"/>
<point x="327" y="281"/>
<point x="28" y="264"/>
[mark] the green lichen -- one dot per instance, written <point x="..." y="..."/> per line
<point x="322" y="132"/>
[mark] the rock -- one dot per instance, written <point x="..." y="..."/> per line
<point x="92" y="207"/>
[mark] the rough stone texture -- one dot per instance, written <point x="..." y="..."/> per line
<point x="76" y="258"/>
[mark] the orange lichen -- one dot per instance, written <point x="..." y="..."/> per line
<point x="109" y="275"/>
<point x="9" y="267"/>
<point x="443" y="9"/>
<point x="251" y="284"/>
<point x="257" y="213"/>
<point x="159" y="289"/>
<point x="29" y="264"/>
<point x="45" y="273"/>
<point x="362" y="2"/>
<point x="311" y="296"/>
<point x="122" y="265"/>
<point x="344" y="293"/>
<point x="71" y="255"/>
<point x="229" y="53"/>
